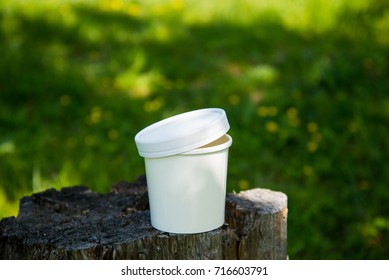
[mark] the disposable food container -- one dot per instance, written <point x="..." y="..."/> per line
<point x="186" y="158"/>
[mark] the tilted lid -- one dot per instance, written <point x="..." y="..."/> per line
<point x="182" y="133"/>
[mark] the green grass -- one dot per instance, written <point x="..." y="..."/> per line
<point x="304" y="84"/>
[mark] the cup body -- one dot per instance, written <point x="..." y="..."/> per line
<point x="187" y="191"/>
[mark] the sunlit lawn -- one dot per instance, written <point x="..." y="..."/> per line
<point x="304" y="84"/>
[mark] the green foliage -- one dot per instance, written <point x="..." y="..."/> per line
<point x="304" y="85"/>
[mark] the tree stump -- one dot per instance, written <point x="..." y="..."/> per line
<point x="76" y="223"/>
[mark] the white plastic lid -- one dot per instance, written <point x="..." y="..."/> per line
<point x="182" y="133"/>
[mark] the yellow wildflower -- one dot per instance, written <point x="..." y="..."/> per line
<point x="292" y="113"/>
<point x="133" y="9"/>
<point x="177" y="4"/>
<point x="271" y="126"/>
<point x="312" y="146"/>
<point x="65" y="100"/>
<point x="308" y="170"/>
<point x="312" y="127"/>
<point x="243" y="184"/>
<point x="113" y="134"/>
<point x="234" y="99"/>
<point x="263" y="111"/>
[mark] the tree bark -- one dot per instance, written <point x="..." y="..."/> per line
<point x="76" y="223"/>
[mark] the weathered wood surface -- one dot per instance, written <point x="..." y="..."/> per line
<point x="76" y="223"/>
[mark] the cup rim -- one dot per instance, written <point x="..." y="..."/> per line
<point x="209" y="148"/>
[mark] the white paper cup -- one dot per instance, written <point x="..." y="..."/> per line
<point x="186" y="158"/>
<point x="187" y="191"/>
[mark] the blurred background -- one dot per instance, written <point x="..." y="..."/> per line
<point x="304" y="83"/>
